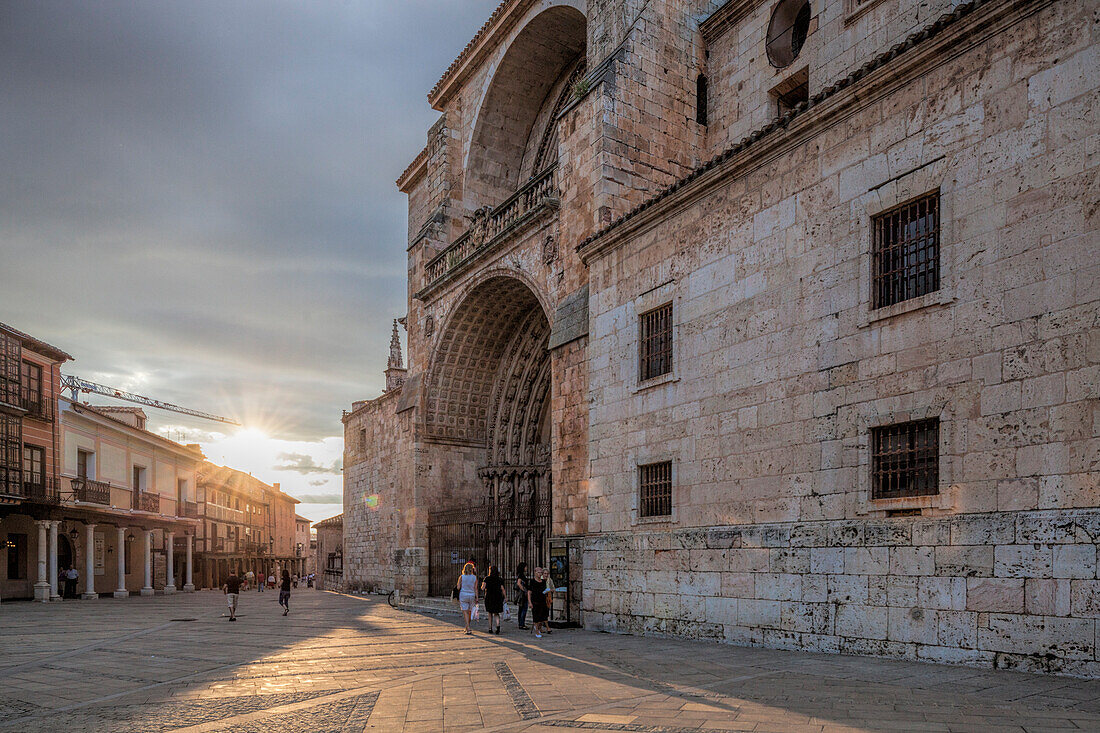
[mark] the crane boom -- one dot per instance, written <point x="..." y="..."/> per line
<point x="78" y="385"/>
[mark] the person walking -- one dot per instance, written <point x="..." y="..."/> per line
<point x="284" y="592"/>
<point x="71" y="576"/>
<point x="232" y="590"/>
<point x="521" y="594"/>
<point x="493" y="586"/>
<point x="539" y="596"/>
<point x="467" y="592"/>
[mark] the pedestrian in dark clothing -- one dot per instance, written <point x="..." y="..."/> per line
<point x="284" y="592"/>
<point x="521" y="594"/>
<point x="539" y="593"/>
<point x="232" y="590"/>
<point x="493" y="586"/>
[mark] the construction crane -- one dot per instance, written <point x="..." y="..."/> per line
<point x="78" y="385"/>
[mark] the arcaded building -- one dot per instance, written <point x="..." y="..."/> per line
<point x="775" y="323"/>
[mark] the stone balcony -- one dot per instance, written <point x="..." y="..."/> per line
<point x="492" y="227"/>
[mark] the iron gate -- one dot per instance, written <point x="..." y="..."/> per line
<point x="486" y="535"/>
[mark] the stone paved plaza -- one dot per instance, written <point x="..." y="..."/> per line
<point x="342" y="663"/>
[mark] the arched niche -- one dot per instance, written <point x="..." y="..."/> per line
<point x="531" y="80"/>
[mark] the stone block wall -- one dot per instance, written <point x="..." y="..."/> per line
<point x="1012" y="590"/>
<point x="378" y="467"/>
<point x="782" y="368"/>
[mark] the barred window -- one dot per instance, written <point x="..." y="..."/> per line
<point x="655" y="344"/>
<point x="906" y="459"/>
<point x="11" y="353"/>
<point x="11" y="449"/>
<point x="907" y="250"/>
<point x="655" y="489"/>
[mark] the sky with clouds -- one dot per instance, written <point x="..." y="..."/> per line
<point x="197" y="203"/>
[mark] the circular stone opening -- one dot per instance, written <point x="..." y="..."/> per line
<point x="787" y="31"/>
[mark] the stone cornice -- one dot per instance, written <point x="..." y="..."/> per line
<point x="951" y="35"/>
<point x="414" y="172"/>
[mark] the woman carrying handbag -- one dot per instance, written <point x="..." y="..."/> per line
<point x="467" y="592"/>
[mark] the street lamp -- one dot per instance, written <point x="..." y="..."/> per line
<point x="73" y="534"/>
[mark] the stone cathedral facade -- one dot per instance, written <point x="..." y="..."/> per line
<point x="775" y="323"/>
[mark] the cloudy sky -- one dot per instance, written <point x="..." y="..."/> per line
<point x="197" y="203"/>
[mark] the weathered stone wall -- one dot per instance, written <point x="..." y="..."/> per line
<point x="646" y="137"/>
<point x="378" y="467"/>
<point x="843" y="35"/>
<point x="782" y="368"/>
<point x="1011" y="590"/>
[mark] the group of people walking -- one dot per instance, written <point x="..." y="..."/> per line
<point x="232" y="590"/>
<point x="532" y="593"/>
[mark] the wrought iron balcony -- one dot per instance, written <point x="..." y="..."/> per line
<point x="493" y="226"/>
<point x="149" y="502"/>
<point x="188" y="509"/>
<point x="41" y="490"/>
<point x="93" y="492"/>
<point x="37" y="405"/>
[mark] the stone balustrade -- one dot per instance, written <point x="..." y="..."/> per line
<point x="491" y="226"/>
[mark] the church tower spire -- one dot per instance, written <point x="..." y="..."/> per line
<point x="395" y="367"/>
<point x="395" y="361"/>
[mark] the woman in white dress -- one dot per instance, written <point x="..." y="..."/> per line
<point x="467" y="592"/>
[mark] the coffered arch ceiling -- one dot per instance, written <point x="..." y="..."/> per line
<point x="488" y="384"/>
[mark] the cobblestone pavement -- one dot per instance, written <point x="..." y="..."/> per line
<point x="342" y="663"/>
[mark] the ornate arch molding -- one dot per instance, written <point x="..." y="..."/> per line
<point x="530" y="66"/>
<point x="497" y="317"/>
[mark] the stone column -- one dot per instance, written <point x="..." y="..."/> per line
<point x="188" y="582"/>
<point x="42" y="587"/>
<point x="147" y="589"/>
<point x="120" y="591"/>
<point x="89" y="563"/>
<point x="170" y="583"/>
<point x="54" y="595"/>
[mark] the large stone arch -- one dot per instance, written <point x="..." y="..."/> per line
<point x="489" y="371"/>
<point x="518" y="104"/>
<point x="487" y="426"/>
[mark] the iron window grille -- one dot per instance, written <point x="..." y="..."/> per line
<point x="655" y="489"/>
<point x="655" y="343"/>
<point x="907" y="250"/>
<point x="11" y="359"/>
<point x="11" y="459"/>
<point x="906" y="459"/>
